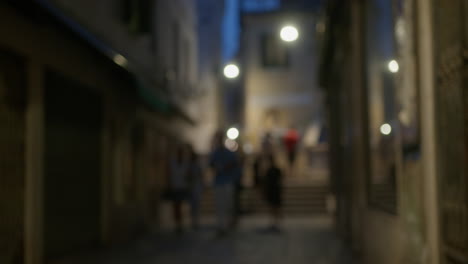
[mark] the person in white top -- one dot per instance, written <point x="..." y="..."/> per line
<point x="178" y="184"/>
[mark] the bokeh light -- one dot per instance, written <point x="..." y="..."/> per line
<point x="232" y="133"/>
<point x="393" y="66"/>
<point x="386" y="129"/>
<point x="231" y="71"/>
<point x="289" y="34"/>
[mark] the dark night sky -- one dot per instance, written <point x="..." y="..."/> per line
<point x="231" y="25"/>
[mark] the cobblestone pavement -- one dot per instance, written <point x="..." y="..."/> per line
<point x="304" y="240"/>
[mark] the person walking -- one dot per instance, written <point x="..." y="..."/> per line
<point x="224" y="163"/>
<point x="290" y="140"/>
<point x="238" y="187"/>
<point x="178" y="185"/>
<point x="195" y="180"/>
<point x="257" y="171"/>
<point x="272" y="184"/>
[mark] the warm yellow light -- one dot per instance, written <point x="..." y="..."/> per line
<point x="289" y="34"/>
<point x="393" y="66"/>
<point x="231" y="145"/>
<point x="248" y="148"/>
<point x="231" y="71"/>
<point x="120" y="60"/>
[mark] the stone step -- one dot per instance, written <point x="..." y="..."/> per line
<point x="288" y="190"/>
<point x="259" y="201"/>
<point x="285" y="212"/>
<point x="265" y="210"/>
<point x="299" y="200"/>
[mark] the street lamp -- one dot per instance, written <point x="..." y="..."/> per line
<point x="289" y="33"/>
<point x="233" y="133"/>
<point x="231" y="71"/>
<point x="393" y="66"/>
<point x="386" y="129"/>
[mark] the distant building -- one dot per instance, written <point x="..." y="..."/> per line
<point x="280" y="82"/>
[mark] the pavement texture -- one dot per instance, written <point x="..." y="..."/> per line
<point x="300" y="240"/>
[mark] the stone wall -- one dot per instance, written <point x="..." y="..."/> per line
<point x="12" y="155"/>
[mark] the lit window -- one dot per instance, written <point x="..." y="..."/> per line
<point x="274" y="53"/>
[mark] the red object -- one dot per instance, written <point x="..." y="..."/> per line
<point x="290" y="139"/>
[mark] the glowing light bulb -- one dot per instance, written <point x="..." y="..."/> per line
<point x="231" y="71"/>
<point x="393" y="66"/>
<point x="386" y="129"/>
<point x="232" y="133"/>
<point x="289" y="34"/>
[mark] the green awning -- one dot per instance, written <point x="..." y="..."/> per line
<point x="150" y="98"/>
<point x="158" y="103"/>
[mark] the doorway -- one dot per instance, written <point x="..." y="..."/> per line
<point x="72" y="166"/>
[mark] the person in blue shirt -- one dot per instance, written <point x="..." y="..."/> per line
<point x="224" y="164"/>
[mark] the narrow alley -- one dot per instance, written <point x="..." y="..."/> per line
<point x="301" y="240"/>
<point x="233" y="131"/>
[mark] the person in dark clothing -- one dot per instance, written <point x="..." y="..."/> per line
<point x="224" y="164"/>
<point x="195" y="182"/>
<point x="256" y="171"/>
<point x="238" y="187"/>
<point x="290" y="140"/>
<point x="178" y="185"/>
<point x="272" y="182"/>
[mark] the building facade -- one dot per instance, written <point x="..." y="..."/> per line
<point x="400" y="172"/>
<point x="93" y="97"/>
<point x="281" y="90"/>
